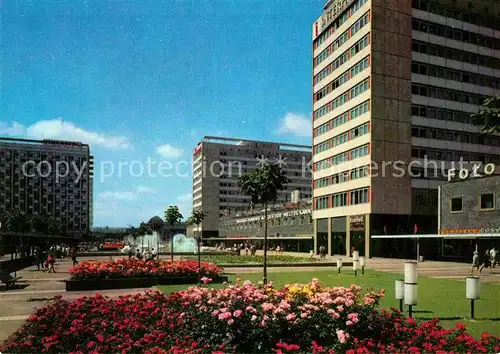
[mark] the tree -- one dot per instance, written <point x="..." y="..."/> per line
<point x="262" y="186"/>
<point x="488" y="116"/>
<point x="196" y="218"/>
<point x="172" y="216"/>
<point x="40" y="224"/>
<point x="17" y="221"/>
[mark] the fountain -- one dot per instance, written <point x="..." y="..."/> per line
<point x="143" y="242"/>
<point x="181" y="243"/>
<point x="184" y="244"/>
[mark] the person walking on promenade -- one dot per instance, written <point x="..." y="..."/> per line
<point x="475" y="263"/>
<point x="493" y="257"/>
<point x="73" y="252"/>
<point x="51" y="260"/>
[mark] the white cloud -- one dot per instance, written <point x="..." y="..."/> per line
<point x="185" y="197"/>
<point x="139" y="191"/>
<point x="296" y="124"/>
<point x="143" y="189"/>
<point x="15" y="129"/>
<point x="63" y="130"/>
<point x="167" y="150"/>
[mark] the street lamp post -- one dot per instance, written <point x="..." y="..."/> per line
<point x="198" y="241"/>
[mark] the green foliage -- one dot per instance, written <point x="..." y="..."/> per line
<point x="196" y="217"/>
<point x="488" y="116"/>
<point x="173" y="215"/>
<point x="262" y="184"/>
<point x="18" y="221"/>
<point x="156" y="224"/>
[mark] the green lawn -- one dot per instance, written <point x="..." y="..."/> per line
<point x="228" y="259"/>
<point x="436" y="297"/>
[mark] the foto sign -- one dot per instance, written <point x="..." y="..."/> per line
<point x="464" y="173"/>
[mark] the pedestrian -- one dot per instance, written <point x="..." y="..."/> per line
<point x="475" y="262"/>
<point x="138" y="254"/>
<point x="73" y="252"/>
<point x="493" y="257"/>
<point x="153" y="254"/>
<point x="486" y="263"/>
<point x="51" y="260"/>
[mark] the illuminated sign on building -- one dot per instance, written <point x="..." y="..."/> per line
<point x="333" y="9"/>
<point x="464" y="231"/>
<point x="357" y="223"/>
<point x="275" y="216"/>
<point x="464" y="173"/>
<point x="197" y="149"/>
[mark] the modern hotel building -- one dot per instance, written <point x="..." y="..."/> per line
<point x="394" y="85"/>
<point x="29" y="182"/>
<point x="218" y="162"/>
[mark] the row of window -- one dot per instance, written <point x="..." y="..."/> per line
<point x="486" y="202"/>
<point x="434" y="7"/>
<point x="342" y="138"/>
<point x="343" y="58"/>
<point x="446" y="155"/>
<point x="341" y="79"/>
<point x="342" y="157"/>
<point x="341" y="19"/>
<point x="455" y="54"/>
<point x="455" y="75"/>
<point x="449" y="135"/>
<point x="343" y="98"/>
<point x="455" y="34"/>
<point x="447" y="94"/>
<point x="358" y="196"/>
<point x="343" y="118"/>
<point x="441" y="114"/>
<point x="342" y="177"/>
<point x="349" y="33"/>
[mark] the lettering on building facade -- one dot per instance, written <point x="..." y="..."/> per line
<point x="464" y="231"/>
<point x="275" y="216"/>
<point x="357" y="222"/>
<point x="464" y="173"/>
<point x="333" y="11"/>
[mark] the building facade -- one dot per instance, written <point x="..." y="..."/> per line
<point x="289" y="226"/>
<point x="50" y="178"/>
<point x="218" y="162"/>
<point x="394" y="85"/>
<point x="470" y="207"/>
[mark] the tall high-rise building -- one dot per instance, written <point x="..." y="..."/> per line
<point x="394" y="85"/>
<point x="50" y="178"/>
<point x="218" y="162"/>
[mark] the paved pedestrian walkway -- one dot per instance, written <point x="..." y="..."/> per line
<point x="36" y="288"/>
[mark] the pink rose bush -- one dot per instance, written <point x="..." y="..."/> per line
<point x="241" y="318"/>
<point x="136" y="268"/>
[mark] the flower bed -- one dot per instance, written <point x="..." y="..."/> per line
<point x="240" y="318"/>
<point x="129" y="273"/>
<point x="135" y="268"/>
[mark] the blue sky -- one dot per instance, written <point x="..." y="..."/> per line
<point x="148" y="79"/>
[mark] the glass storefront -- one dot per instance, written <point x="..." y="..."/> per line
<point x="338" y="236"/>
<point x="322" y="234"/>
